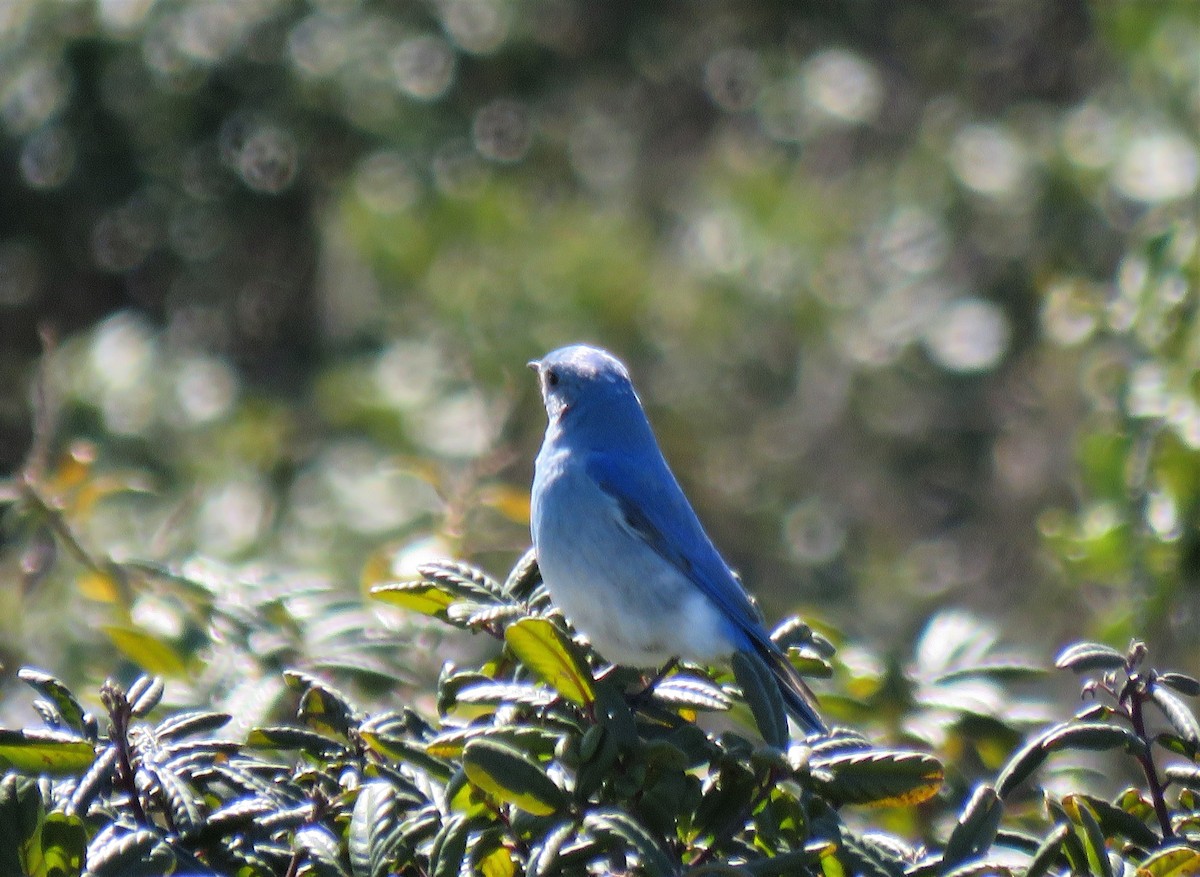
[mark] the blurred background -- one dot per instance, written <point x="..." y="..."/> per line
<point x="909" y="291"/>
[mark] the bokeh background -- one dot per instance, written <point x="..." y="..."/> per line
<point x="909" y="290"/>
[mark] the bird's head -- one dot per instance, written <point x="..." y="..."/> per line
<point x="586" y="383"/>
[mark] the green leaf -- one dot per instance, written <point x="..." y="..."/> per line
<point x="58" y="694"/>
<point x="64" y="844"/>
<point x="1181" y="718"/>
<point x="1085" y="657"/>
<point x="449" y="847"/>
<point x="461" y="578"/>
<point x="1097" y="736"/>
<point x="878" y="777"/>
<point x="145" y="694"/>
<point x="21" y="817"/>
<point x="294" y="738"/>
<point x="140" y="853"/>
<point x="423" y="597"/>
<point x="524" y="576"/>
<point x="553" y="658"/>
<point x="1182" y="683"/>
<point x="507" y="774"/>
<point x="45" y="752"/>
<point x="762" y="695"/>
<point x="1048" y="853"/>
<point x="530" y="739"/>
<point x="150" y="653"/>
<point x="1172" y="861"/>
<point x="620" y="826"/>
<point x="1094" y="843"/>
<point x="976" y="828"/>
<point x="691" y="692"/>
<point x="372" y="838"/>
<point x="406" y="752"/>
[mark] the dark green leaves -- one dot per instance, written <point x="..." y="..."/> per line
<point x="762" y="695"/>
<point x="1088" y="657"/>
<point x="877" y="777"/>
<point x="510" y="776"/>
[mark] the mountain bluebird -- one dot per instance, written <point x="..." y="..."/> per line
<point x="620" y="549"/>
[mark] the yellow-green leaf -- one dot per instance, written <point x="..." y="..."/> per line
<point x="44" y="752"/>
<point x="508" y="775"/>
<point x="883" y="777"/>
<point x="545" y="650"/>
<point x="1173" y="861"/>
<point x="151" y="654"/>
<point x="497" y="863"/>
<point x="420" y="597"/>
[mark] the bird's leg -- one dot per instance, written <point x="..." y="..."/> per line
<point x="665" y="671"/>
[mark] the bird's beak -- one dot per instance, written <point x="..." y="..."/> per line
<point x="535" y="364"/>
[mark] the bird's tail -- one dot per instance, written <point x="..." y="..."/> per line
<point x="797" y="696"/>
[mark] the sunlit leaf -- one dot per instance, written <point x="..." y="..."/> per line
<point x="417" y="596"/>
<point x="878" y="777"/>
<point x="510" y="776"/>
<point x="553" y="658"/>
<point x="1171" y="861"/>
<point x="44" y="752"/>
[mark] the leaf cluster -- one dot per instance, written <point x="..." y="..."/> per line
<point x="540" y="762"/>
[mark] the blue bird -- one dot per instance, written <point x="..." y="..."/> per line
<point x="620" y="549"/>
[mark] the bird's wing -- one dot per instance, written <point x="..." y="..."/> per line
<point x="656" y="510"/>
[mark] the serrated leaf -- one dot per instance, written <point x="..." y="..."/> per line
<point x="524" y="576"/>
<point x="507" y="774"/>
<point x="878" y="777"/>
<point x="449" y="847"/>
<point x="762" y="695"/>
<point x="322" y="846"/>
<point x="145" y="694"/>
<point x="1094" y="736"/>
<point x="58" y="694"/>
<point x="45" y="752"/>
<point x="422" y="597"/>
<point x="147" y="651"/>
<point x="1086" y="657"/>
<point x="552" y="657"/>
<point x="621" y="826"/>
<point x="406" y="752"/>
<point x="192" y="722"/>
<point x="1181" y="718"/>
<point x="682" y="690"/>
<point x="134" y="854"/>
<point x="294" y="738"/>
<point x="373" y="830"/>
<point x="1181" y="682"/>
<point x="461" y="578"/>
<point x="1172" y="861"/>
<point x="976" y="828"/>
<point x="498" y="693"/>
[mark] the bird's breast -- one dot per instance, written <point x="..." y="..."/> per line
<point x="633" y="605"/>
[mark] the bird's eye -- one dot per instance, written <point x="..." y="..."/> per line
<point x="551" y="378"/>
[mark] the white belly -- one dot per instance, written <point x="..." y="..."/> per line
<point x="635" y="607"/>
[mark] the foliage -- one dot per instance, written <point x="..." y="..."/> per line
<point x="535" y="763"/>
